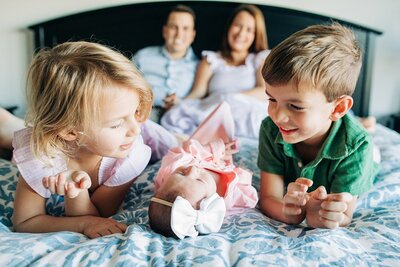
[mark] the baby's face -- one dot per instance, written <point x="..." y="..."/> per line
<point x="197" y="183"/>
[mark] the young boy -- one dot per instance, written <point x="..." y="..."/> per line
<point x="309" y="143"/>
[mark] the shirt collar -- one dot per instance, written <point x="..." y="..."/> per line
<point x="189" y="56"/>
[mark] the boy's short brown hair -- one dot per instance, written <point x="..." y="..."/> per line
<point x="325" y="56"/>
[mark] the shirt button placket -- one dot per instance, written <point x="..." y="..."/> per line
<point x="300" y="164"/>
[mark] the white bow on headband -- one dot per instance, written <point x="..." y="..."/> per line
<point x="186" y="221"/>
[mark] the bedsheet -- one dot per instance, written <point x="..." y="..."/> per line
<point x="247" y="237"/>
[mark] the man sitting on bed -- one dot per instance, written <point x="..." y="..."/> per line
<point x="309" y="143"/>
<point x="170" y="69"/>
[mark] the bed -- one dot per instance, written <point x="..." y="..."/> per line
<point x="247" y="237"/>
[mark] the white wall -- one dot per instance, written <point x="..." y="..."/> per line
<point x="16" y="42"/>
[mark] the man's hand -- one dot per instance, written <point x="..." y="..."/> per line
<point x="68" y="183"/>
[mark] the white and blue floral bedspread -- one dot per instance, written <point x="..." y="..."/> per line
<point x="246" y="239"/>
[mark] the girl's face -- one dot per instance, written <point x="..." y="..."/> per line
<point x="196" y="182"/>
<point x="118" y="128"/>
<point x="302" y="115"/>
<point x="241" y="33"/>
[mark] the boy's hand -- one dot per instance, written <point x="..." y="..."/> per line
<point x="68" y="183"/>
<point x="327" y="210"/>
<point x="296" y="197"/>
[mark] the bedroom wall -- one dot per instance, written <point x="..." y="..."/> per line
<point x="16" y="42"/>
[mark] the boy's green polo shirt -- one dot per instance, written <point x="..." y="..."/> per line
<point x="344" y="163"/>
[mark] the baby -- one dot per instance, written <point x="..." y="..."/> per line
<point x="197" y="182"/>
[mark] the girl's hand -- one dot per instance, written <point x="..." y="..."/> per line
<point x="68" y="183"/>
<point x="94" y="227"/>
<point x="296" y="197"/>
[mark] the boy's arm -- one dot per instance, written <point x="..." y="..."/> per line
<point x="272" y="190"/>
<point x="355" y="175"/>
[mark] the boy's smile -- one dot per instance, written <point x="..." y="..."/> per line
<point x="301" y="113"/>
<point x="287" y="131"/>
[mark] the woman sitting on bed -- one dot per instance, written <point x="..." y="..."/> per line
<point x="232" y="74"/>
<point x="198" y="181"/>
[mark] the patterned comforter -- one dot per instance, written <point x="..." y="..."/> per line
<point x="247" y="238"/>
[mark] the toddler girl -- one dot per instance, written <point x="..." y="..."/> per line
<point x="82" y="141"/>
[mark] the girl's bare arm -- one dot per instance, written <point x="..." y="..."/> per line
<point x="108" y="199"/>
<point x="30" y="216"/>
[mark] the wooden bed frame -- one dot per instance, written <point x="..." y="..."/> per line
<point x="132" y="27"/>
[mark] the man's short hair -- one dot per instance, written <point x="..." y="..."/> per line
<point x="181" y="8"/>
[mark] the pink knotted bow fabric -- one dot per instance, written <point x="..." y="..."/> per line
<point x="239" y="191"/>
<point x="206" y="149"/>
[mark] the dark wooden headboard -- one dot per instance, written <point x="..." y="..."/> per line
<point x="131" y="27"/>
